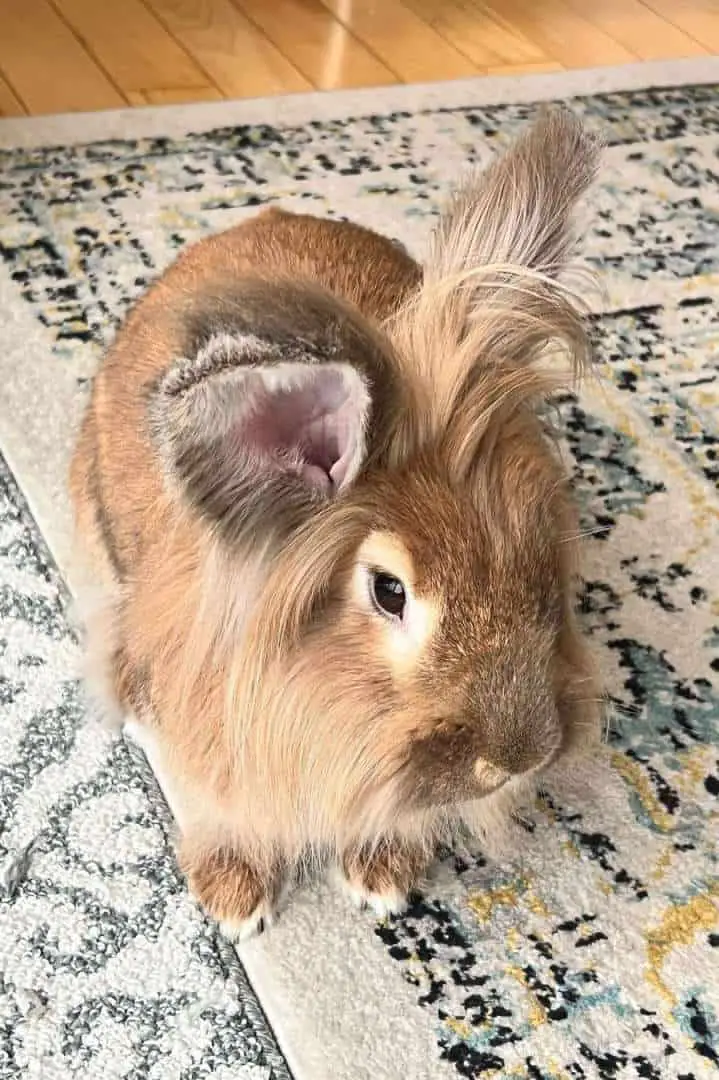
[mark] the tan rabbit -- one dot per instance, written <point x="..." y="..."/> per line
<point x="337" y="539"/>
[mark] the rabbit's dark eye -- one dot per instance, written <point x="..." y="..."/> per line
<point x="388" y="594"/>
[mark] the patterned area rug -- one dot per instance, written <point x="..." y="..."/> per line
<point x="590" y="951"/>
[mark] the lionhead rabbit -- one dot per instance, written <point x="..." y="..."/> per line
<point x="337" y="541"/>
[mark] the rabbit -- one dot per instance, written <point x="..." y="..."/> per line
<point x="318" y="486"/>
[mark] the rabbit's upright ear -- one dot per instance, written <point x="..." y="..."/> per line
<point x="491" y="296"/>
<point x="518" y="211"/>
<point x="250" y="432"/>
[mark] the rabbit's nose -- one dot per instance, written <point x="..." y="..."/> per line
<point x="490" y="776"/>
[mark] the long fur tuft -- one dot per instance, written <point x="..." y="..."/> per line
<point x="492" y="295"/>
<point x="518" y="211"/>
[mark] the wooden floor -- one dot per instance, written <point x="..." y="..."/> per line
<point x="67" y="55"/>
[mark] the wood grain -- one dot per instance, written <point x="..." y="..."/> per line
<point x="409" y="46"/>
<point x="10" y="103"/>
<point x="318" y="45"/>
<point x="697" y="18"/>
<point x="545" y="68"/>
<point x="131" y="44"/>
<point x="177" y="96"/>
<point x="240" y="60"/>
<point x="67" y="55"/>
<point x="485" y="38"/>
<point x="639" y="29"/>
<point x="47" y="66"/>
<point x="562" y="34"/>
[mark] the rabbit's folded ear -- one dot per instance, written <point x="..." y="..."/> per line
<point x="240" y="427"/>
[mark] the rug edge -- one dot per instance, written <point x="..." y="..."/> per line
<point x="253" y="1007"/>
<point x="174" y="120"/>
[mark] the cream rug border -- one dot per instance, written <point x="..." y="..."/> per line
<point x="174" y="120"/>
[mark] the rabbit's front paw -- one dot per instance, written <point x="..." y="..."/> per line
<point x="233" y="892"/>
<point x="382" y="877"/>
<point x="392" y="902"/>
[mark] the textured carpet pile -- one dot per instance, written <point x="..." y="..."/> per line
<point x="594" y="952"/>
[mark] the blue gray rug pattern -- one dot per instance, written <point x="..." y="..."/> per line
<point x="593" y="956"/>
<point x="92" y="904"/>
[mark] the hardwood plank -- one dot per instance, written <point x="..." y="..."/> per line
<point x="317" y="44"/>
<point x="239" y="58"/>
<point x="10" y="103"/>
<point x="641" y="30"/>
<point x="131" y="44"/>
<point x="46" y="65"/>
<point x="545" y="68"/>
<point x="697" y="18"/>
<point x="174" y="97"/>
<point x="486" y="39"/>
<point x="402" y="40"/>
<point x="560" y="33"/>
<point x="69" y="55"/>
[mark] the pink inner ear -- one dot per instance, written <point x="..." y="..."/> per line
<point x="311" y="425"/>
